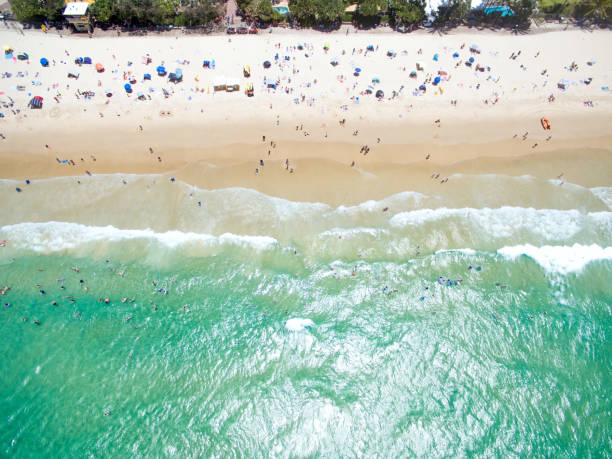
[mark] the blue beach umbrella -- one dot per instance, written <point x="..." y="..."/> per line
<point x="422" y="88"/>
<point x="455" y="55"/>
<point x="436" y="56"/>
<point x="436" y="80"/>
<point x="161" y="70"/>
<point x="128" y="87"/>
<point x="147" y="76"/>
<point x="44" y="62"/>
<point x="471" y="60"/>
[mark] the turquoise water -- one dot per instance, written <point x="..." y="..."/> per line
<point x="271" y="328"/>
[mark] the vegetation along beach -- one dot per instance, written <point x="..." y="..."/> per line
<point x="305" y="229"/>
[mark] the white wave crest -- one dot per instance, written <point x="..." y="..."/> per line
<point x="504" y="222"/>
<point x="298" y="324"/>
<point x="58" y="236"/>
<point x="559" y="259"/>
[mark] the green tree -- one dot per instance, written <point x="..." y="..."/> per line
<point x="523" y="9"/>
<point x="329" y="11"/>
<point x="408" y="11"/>
<point x="104" y="11"/>
<point x="304" y="11"/>
<point x="452" y="11"/>
<point x="25" y="10"/>
<point x="371" y="8"/>
<point x="264" y="11"/>
<point x="600" y="9"/>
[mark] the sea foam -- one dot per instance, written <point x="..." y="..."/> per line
<point x="58" y="236"/>
<point x="559" y="259"/>
<point x="298" y="324"/>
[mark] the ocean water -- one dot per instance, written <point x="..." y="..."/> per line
<point x="154" y="319"/>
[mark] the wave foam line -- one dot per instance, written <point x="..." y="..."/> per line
<point x="58" y="236"/>
<point x="559" y="259"/>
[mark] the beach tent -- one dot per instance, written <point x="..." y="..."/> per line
<point x="370" y="48"/>
<point x="128" y="88"/>
<point x="87" y="60"/>
<point x="36" y="102"/>
<point x="266" y="64"/>
<point x="220" y="84"/>
<point x="44" y="62"/>
<point x="147" y="76"/>
<point x="99" y="67"/>
<point x="161" y="70"/>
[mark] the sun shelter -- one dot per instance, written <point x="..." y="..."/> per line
<point x="36" y="102"/>
<point x="99" y="67"/>
<point x="128" y="88"/>
<point x="87" y="60"/>
<point x="220" y="84"/>
<point x="161" y="70"/>
<point x="147" y="76"/>
<point x="266" y="65"/>
<point x="23" y="56"/>
<point x="437" y="80"/>
<point x="44" y="62"/>
<point x="232" y="85"/>
<point x="380" y="94"/>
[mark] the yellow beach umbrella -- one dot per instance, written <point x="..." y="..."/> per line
<point x="6" y="47"/>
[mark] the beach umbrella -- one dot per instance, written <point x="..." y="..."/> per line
<point x="334" y="61"/>
<point x="436" y="80"/>
<point x="471" y="60"/>
<point x="6" y="48"/>
<point x="127" y="87"/>
<point x="357" y="70"/>
<point x="179" y="73"/>
<point x="455" y="55"/>
<point x="266" y="64"/>
<point x="436" y="56"/>
<point x="380" y="94"/>
<point x="36" y="102"/>
<point x="375" y="80"/>
<point x="161" y="70"/>
<point x="44" y="62"/>
<point x="87" y="60"/>
<point x="422" y="88"/>
<point x="147" y="76"/>
<point x="99" y="67"/>
<point x="108" y="93"/>
<point x="413" y="74"/>
<point x="78" y="60"/>
<point x="370" y="48"/>
<point x="326" y="46"/>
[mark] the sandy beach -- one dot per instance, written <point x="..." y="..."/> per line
<point x="328" y="138"/>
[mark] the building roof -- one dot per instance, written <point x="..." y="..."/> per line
<point x="76" y="9"/>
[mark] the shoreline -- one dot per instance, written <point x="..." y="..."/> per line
<point x="215" y="141"/>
